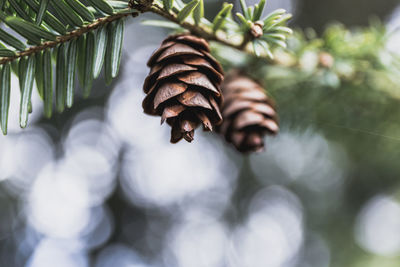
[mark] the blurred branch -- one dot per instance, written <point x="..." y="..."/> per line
<point x="266" y="33"/>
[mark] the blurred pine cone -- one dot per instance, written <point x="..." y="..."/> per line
<point x="248" y="113"/>
<point x="183" y="86"/>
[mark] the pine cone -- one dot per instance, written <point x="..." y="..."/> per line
<point x="248" y="113"/>
<point x="183" y="86"/>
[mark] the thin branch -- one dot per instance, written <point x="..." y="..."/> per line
<point x="195" y="29"/>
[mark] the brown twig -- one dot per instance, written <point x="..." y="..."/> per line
<point x="196" y="30"/>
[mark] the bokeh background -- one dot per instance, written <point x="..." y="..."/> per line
<point x="100" y="185"/>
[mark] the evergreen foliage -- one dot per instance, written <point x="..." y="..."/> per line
<point x="57" y="41"/>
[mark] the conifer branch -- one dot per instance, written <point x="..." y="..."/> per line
<point x="194" y="29"/>
<point x="69" y="36"/>
<point x="274" y="23"/>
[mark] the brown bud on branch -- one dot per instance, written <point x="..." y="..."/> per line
<point x="256" y="29"/>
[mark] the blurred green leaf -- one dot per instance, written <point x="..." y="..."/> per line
<point x="271" y="17"/>
<point x="49" y="18"/>
<point x="18" y="25"/>
<point x="168" y="4"/>
<point x="71" y="69"/>
<point x="244" y="22"/>
<point x="81" y="59"/>
<point x="274" y="41"/>
<point x="42" y="9"/>
<point x="39" y="73"/>
<point x="114" y="48"/>
<point x="67" y="12"/>
<point x="89" y="61"/>
<point x="161" y="23"/>
<point x="6" y="52"/>
<point x="5" y="96"/>
<point x="103" y="6"/>
<point x="61" y="79"/>
<point x="19" y="10"/>
<point x="258" y="10"/>
<point x="266" y="47"/>
<point x="101" y="46"/>
<point x="118" y="4"/>
<point x="26" y="76"/>
<point x="256" y="48"/>
<point x="187" y="10"/>
<point x="81" y="9"/>
<point x="243" y="5"/>
<point x="47" y="83"/>
<point x="11" y="40"/>
<point x="221" y="17"/>
<point x="198" y="12"/>
<point x="29" y="30"/>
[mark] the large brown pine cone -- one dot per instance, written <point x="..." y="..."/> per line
<point x="248" y="113"/>
<point x="183" y="86"/>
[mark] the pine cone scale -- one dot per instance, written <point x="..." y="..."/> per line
<point x="193" y="98"/>
<point x="264" y="109"/>
<point x="214" y="62"/>
<point x="271" y="126"/>
<point x="168" y="91"/>
<point x="198" y="79"/>
<point x="171" y="111"/>
<point x="247" y="118"/>
<point x="202" y="63"/>
<point x="177" y="50"/>
<point x="196" y="42"/>
<point x="174" y="69"/>
<point x="215" y="106"/>
<point x="205" y="120"/>
<point x="157" y="53"/>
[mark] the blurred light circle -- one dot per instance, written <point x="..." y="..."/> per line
<point x="307" y="157"/>
<point x="89" y="130"/>
<point x="7" y="158"/>
<point x="24" y="155"/>
<point x="141" y="55"/>
<point x="377" y="227"/>
<point x="118" y="255"/>
<point x="273" y="234"/>
<point x="99" y="229"/>
<point x="125" y="116"/>
<point x="8" y="217"/>
<point x="55" y="203"/>
<point x="285" y="153"/>
<point x="92" y="170"/>
<point x="316" y="252"/>
<point x="168" y="173"/>
<point x="125" y="113"/>
<point x="53" y="252"/>
<point x="198" y="242"/>
<point x="309" y="61"/>
<point x="27" y="239"/>
<point x="288" y="5"/>
<point x="394" y="37"/>
<point x="263" y="247"/>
